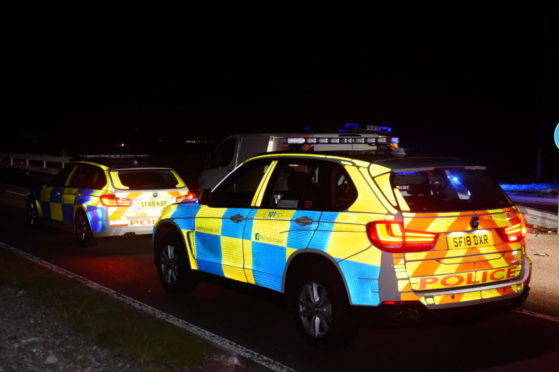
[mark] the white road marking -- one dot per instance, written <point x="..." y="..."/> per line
<point x="551" y="318"/>
<point x="15" y="193"/>
<point x="219" y="341"/>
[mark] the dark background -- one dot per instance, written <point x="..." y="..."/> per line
<point x="476" y="83"/>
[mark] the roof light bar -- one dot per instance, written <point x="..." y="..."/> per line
<point x="345" y="140"/>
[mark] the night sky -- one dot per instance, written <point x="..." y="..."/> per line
<point x="459" y="82"/>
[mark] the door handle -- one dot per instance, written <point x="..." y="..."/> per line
<point x="304" y="221"/>
<point x="237" y="218"/>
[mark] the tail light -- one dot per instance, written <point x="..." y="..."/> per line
<point x="513" y="233"/>
<point x="111" y="200"/>
<point x="189" y="196"/>
<point x="390" y="236"/>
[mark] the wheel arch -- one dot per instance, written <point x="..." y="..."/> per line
<point x="298" y="260"/>
<point x="169" y="226"/>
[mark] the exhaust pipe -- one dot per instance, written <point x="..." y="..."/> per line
<point x="406" y="315"/>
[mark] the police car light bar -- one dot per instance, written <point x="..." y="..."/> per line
<point x="342" y="140"/>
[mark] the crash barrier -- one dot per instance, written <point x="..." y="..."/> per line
<point x="539" y="218"/>
<point x="40" y="163"/>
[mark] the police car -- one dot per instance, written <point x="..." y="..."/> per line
<point x="339" y="231"/>
<point x="97" y="199"/>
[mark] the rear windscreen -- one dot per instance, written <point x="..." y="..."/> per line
<point x="148" y="179"/>
<point x="446" y="190"/>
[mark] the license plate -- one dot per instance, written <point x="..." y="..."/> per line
<point x="152" y="203"/>
<point x="469" y="240"/>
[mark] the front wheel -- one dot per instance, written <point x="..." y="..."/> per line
<point x="320" y="308"/>
<point x="172" y="263"/>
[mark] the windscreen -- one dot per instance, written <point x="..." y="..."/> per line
<point x="147" y="179"/>
<point x="446" y="190"/>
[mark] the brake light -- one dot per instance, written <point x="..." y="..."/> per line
<point x="513" y="233"/>
<point x="189" y="198"/>
<point x="111" y="200"/>
<point x="390" y="236"/>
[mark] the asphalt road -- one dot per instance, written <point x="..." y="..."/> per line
<point x="256" y="318"/>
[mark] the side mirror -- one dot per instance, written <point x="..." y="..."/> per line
<point x="205" y="196"/>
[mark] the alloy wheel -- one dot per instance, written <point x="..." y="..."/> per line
<point x="169" y="264"/>
<point x="315" y="309"/>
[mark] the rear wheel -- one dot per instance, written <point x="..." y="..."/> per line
<point x="31" y="213"/>
<point x="172" y="263"/>
<point x="82" y="229"/>
<point x="320" y="307"/>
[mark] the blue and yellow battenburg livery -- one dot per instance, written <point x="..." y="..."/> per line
<point x="384" y="251"/>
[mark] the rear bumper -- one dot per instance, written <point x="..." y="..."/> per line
<point x="472" y="296"/>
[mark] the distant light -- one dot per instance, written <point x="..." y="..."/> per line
<point x="122" y="145"/>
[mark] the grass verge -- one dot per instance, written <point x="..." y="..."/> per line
<point x="108" y="322"/>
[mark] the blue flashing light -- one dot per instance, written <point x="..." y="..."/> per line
<point x="351" y="126"/>
<point x="386" y="129"/>
<point x="406" y="173"/>
<point x="343" y="131"/>
<point x="308" y="128"/>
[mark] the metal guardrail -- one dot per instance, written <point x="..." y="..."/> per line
<point x="539" y="218"/>
<point x="33" y="161"/>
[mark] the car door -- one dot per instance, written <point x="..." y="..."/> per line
<point x="83" y="191"/>
<point x="51" y="197"/>
<point x="285" y="221"/>
<point x="219" y="224"/>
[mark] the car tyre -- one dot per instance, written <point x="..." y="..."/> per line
<point x="82" y="229"/>
<point x="318" y="302"/>
<point x="31" y="213"/>
<point x="173" y="267"/>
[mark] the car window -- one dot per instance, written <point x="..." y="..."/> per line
<point x="60" y="179"/>
<point x="224" y="153"/>
<point x="88" y="177"/>
<point x="238" y="189"/>
<point x="148" y="179"/>
<point x="316" y="185"/>
<point x="442" y="190"/>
